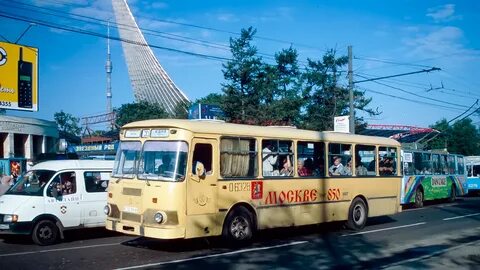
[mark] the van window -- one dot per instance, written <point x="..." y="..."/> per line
<point x="96" y="181"/>
<point x="63" y="184"/>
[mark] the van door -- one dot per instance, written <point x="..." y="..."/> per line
<point x="202" y="186"/>
<point x="63" y="199"/>
<point x="95" y="197"/>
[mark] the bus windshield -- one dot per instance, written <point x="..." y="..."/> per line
<point x="31" y="183"/>
<point x="126" y="159"/>
<point x="163" y="160"/>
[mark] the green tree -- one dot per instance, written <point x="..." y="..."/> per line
<point x="241" y="96"/>
<point x="67" y="123"/>
<point x="462" y="137"/>
<point x="325" y="98"/>
<point x="181" y="110"/>
<point x="137" y="111"/>
<point x="212" y="99"/>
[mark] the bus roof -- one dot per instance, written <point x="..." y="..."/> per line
<point x="73" y="165"/>
<point x="220" y="127"/>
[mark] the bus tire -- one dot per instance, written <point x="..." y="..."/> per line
<point x="238" y="227"/>
<point x="45" y="233"/>
<point x="419" y="197"/>
<point x="357" y="214"/>
<point x="453" y="195"/>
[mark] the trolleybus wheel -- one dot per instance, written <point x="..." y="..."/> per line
<point x="238" y="226"/>
<point x="45" y="233"/>
<point x="357" y="214"/>
<point x="418" y="198"/>
<point x="453" y="196"/>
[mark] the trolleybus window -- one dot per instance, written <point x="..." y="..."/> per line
<point x="238" y="157"/>
<point x="460" y="165"/>
<point x="451" y="164"/>
<point x="437" y="169"/>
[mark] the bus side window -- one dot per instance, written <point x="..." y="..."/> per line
<point x="203" y="154"/>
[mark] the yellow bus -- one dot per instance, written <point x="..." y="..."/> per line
<point x="192" y="178"/>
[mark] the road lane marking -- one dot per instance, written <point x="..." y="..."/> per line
<point x="386" y="229"/>
<point x="428" y="256"/>
<point x="57" y="249"/>
<point x="457" y="217"/>
<point x="213" y="255"/>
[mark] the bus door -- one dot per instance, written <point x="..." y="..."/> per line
<point x="202" y="183"/>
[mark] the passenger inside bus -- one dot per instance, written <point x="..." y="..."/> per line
<point x="348" y="168"/>
<point x="360" y="169"/>
<point x="166" y="165"/>
<point x="386" y="166"/>
<point x="303" y="169"/>
<point x="287" y="168"/>
<point x="269" y="160"/>
<point x="337" y="168"/>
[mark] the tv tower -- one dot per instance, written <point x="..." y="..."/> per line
<point x="108" y="69"/>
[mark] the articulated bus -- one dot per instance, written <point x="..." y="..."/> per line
<point x="190" y="178"/>
<point x="473" y="173"/>
<point x="431" y="175"/>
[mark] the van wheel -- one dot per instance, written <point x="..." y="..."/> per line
<point x="453" y="195"/>
<point x="357" y="214"/>
<point x="45" y="233"/>
<point x="418" y="198"/>
<point x="238" y="226"/>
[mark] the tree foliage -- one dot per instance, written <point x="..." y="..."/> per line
<point x="137" y="111"/>
<point x="256" y="92"/>
<point x="67" y="123"/>
<point x="462" y="137"/>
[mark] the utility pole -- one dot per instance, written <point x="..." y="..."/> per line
<point x="350" y="90"/>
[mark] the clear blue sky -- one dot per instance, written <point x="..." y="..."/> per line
<point x="443" y="34"/>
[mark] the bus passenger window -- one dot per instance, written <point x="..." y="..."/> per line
<point x="238" y="157"/>
<point x="277" y="158"/>
<point x="365" y="160"/>
<point x="310" y="159"/>
<point x="388" y="161"/>
<point x="340" y="158"/>
<point x="203" y="154"/>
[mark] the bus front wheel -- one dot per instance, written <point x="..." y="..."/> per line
<point x="238" y="226"/>
<point x="418" y="198"/>
<point x="357" y="214"/>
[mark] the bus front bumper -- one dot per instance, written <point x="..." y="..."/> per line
<point x="142" y="230"/>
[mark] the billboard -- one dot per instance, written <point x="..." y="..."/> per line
<point x="205" y="111"/>
<point x="341" y="124"/>
<point x="18" y="77"/>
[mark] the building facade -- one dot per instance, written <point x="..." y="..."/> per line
<point x="22" y="137"/>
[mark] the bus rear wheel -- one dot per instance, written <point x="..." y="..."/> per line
<point x="238" y="226"/>
<point x="357" y="214"/>
<point x="453" y="195"/>
<point x="45" y="233"/>
<point x="418" y="198"/>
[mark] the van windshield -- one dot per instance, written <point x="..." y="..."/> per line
<point x="31" y="183"/>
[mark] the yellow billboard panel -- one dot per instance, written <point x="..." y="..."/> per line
<point x="18" y="77"/>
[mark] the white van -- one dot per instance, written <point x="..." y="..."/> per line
<point x="55" y="196"/>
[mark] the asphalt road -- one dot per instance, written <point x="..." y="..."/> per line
<point x="438" y="236"/>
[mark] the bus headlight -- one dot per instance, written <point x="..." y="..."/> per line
<point x="107" y="210"/>
<point x="158" y="217"/>
<point x="10" y="218"/>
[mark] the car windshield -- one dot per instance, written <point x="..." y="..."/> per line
<point x="128" y="154"/>
<point x="163" y="160"/>
<point x="31" y="183"/>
